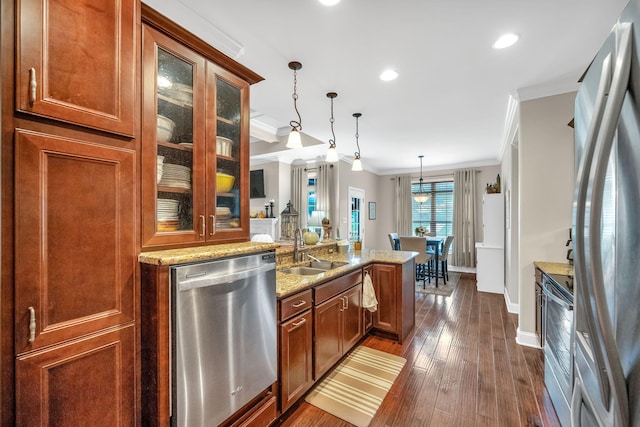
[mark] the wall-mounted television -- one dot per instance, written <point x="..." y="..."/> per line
<point x="256" y="184"/>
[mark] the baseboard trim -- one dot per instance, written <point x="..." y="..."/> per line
<point x="527" y="339"/>
<point x="511" y="306"/>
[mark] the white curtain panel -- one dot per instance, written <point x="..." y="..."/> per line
<point x="464" y="218"/>
<point x="403" y="206"/>
<point x="325" y="191"/>
<point x="299" y="193"/>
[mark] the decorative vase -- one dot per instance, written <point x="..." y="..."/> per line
<point x="310" y="237"/>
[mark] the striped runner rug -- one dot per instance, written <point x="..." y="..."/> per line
<point x="357" y="386"/>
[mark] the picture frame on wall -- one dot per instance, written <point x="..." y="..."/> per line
<point x="372" y="210"/>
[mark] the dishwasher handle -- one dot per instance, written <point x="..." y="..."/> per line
<point x="220" y="278"/>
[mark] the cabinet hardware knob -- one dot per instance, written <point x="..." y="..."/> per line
<point x="213" y="224"/>
<point x="33" y="84"/>
<point x="299" y="304"/>
<point x="32" y="324"/>
<point x="202" y="225"/>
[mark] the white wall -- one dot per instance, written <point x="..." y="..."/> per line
<point x="546" y="181"/>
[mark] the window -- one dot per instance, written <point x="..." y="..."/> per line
<point x="312" y="182"/>
<point x="436" y="214"/>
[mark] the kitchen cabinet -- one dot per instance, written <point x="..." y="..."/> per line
<point x="296" y="347"/>
<point x="83" y="382"/>
<point x="394" y="288"/>
<point x="75" y="281"/>
<point x="195" y="140"/>
<point x="76" y="62"/>
<point x="337" y="317"/>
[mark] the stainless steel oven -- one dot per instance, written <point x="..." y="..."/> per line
<point x="558" y="344"/>
<point x="223" y="337"/>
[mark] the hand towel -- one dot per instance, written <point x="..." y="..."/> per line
<point x="369" y="300"/>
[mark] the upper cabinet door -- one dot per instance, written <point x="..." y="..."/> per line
<point x="173" y="142"/>
<point x="228" y="160"/>
<point x="75" y="243"/>
<point x="76" y="62"/>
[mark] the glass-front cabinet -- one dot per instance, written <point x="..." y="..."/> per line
<point x="194" y="147"/>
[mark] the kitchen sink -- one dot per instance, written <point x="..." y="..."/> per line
<point x="327" y="264"/>
<point x="303" y="271"/>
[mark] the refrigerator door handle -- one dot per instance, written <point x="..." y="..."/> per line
<point x="582" y="258"/>
<point x="600" y="311"/>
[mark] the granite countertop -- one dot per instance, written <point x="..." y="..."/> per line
<point x="288" y="284"/>
<point x="555" y="267"/>
<point x="202" y="253"/>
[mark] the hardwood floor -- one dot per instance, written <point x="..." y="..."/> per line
<point x="463" y="368"/>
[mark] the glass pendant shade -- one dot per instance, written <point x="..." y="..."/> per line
<point x="332" y="155"/>
<point x="357" y="165"/>
<point x="421" y="197"/>
<point x="294" y="140"/>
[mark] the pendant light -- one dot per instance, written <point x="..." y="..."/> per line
<point x="357" y="164"/>
<point x="332" y="153"/>
<point x="295" y="141"/>
<point x="421" y="196"/>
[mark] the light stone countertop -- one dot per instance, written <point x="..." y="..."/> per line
<point x="288" y="284"/>
<point x="555" y="267"/>
<point x="203" y="253"/>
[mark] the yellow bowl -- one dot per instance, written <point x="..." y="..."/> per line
<point x="224" y="182"/>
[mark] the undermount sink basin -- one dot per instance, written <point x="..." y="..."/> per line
<point x="327" y="264"/>
<point x="303" y="271"/>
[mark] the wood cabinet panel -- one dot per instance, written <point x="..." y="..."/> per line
<point x="337" y="326"/>
<point x="296" y="354"/>
<point x="75" y="238"/>
<point x="85" y="382"/>
<point x="327" y="335"/>
<point x="352" y="315"/>
<point x="76" y="62"/>
<point x="385" y="286"/>
<point x="295" y="304"/>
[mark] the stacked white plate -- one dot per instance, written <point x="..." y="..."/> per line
<point x="176" y="176"/>
<point x="167" y="215"/>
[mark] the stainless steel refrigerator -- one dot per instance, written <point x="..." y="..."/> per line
<point x="606" y="230"/>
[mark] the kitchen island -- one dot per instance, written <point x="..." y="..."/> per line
<point x="320" y="316"/>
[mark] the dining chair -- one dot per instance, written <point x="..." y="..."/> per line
<point x="423" y="260"/>
<point x="394" y="240"/>
<point x="443" y="259"/>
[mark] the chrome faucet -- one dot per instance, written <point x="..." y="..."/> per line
<point x="297" y="234"/>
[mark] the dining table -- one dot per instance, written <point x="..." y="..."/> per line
<point x="435" y="243"/>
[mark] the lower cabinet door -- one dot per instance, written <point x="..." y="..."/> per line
<point x="88" y="382"/>
<point x="384" y="282"/>
<point x="296" y="343"/>
<point x="327" y="335"/>
<point x="352" y="314"/>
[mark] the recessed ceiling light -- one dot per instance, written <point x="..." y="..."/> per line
<point x="329" y="2"/>
<point x="506" y="40"/>
<point x="388" y="75"/>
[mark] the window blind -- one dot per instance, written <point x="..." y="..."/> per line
<point x="436" y="214"/>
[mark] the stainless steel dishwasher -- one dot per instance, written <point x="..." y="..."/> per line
<point x="223" y="337"/>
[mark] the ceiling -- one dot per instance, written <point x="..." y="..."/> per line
<point x="451" y="98"/>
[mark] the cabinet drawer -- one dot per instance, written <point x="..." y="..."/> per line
<point x="295" y="304"/>
<point x="334" y="287"/>
<point x="264" y="416"/>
